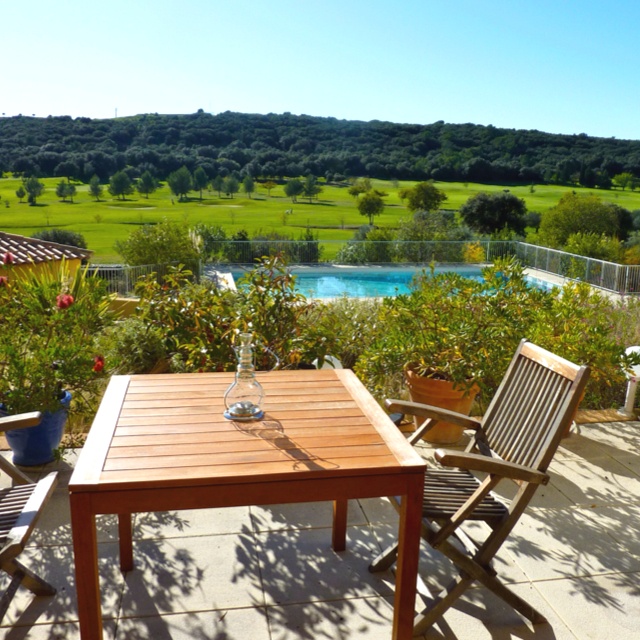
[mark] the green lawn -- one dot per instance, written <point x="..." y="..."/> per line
<point x="334" y="217"/>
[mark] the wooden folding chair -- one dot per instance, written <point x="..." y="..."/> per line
<point x="516" y="440"/>
<point x="20" y="507"/>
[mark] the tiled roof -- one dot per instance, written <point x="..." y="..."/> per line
<point x="31" y="250"/>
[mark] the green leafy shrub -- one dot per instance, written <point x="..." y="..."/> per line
<point x="343" y="328"/>
<point x="163" y="243"/>
<point x="133" y="346"/>
<point x="199" y="322"/>
<point x="48" y="326"/>
<point x="62" y="236"/>
<point x="451" y="328"/>
<point x="195" y="320"/>
<point x="466" y="332"/>
<point x="579" y="325"/>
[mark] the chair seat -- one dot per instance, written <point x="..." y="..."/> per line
<point x="446" y="490"/>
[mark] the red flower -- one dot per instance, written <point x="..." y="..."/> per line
<point x="64" y="301"/>
<point x="4" y="281"/>
<point x="8" y="258"/>
<point x="98" y="364"/>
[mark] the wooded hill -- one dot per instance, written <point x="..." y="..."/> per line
<point x="274" y="146"/>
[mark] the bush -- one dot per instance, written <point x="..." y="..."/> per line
<point x="62" y="236"/>
<point x="163" y="243"/>
<point x="199" y="322"/>
<point x="48" y="326"/>
<point x="133" y="346"/>
<point x="343" y="328"/>
<point x="579" y="325"/>
<point x="462" y="331"/>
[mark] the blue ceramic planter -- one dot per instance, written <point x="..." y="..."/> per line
<point x="33" y="446"/>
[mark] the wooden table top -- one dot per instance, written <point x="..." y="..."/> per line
<point x="168" y="430"/>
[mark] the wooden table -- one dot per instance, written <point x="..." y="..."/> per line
<point x="160" y="442"/>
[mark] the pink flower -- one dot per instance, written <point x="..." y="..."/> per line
<point x="4" y="281"/>
<point x="64" y="301"/>
<point x="8" y="258"/>
<point x="98" y="364"/>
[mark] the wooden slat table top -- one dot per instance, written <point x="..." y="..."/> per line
<point x="168" y="430"/>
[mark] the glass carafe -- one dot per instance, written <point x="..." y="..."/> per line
<point x="243" y="399"/>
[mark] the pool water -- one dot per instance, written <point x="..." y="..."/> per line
<point x="364" y="283"/>
<point x="359" y="282"/>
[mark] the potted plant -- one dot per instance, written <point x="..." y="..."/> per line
<point x="48" y="325"/>
<point x="450" y="332"/>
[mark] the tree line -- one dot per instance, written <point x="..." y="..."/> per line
<point x="275" y="146"/>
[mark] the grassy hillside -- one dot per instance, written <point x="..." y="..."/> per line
<point x="333" y="217"/>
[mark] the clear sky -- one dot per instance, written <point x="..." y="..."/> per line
<point x="561" y="66"/>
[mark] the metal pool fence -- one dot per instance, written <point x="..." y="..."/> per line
<point x="617" y="278"/>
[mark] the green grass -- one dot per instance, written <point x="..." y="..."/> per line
<point x="334" y="217"/>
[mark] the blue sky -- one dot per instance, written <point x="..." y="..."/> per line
<point x="560" y="66"/>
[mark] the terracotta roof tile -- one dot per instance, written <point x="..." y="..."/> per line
<point x="31" y="250"/>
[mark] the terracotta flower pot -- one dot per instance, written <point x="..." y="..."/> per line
<point x="440" y="393"/>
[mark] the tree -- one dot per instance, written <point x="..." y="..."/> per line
<point x="217" y="184"/>
<point x="180" y="182"/>
<point x="230" y="185"/>
<point x="62" y="236"/>
<point x="200" y="180"/>
<point x="120" y="185"/>
<point x="370" y="205"/>
<point x="163" y="243"/>
<point x="293" y="188"/>
<point x="248" y="185"/>
<point x="491" y="212"/>
<point x="67" y="169"/>
<point x="146" y="184"/>
<point x="21" y="193"/>
<point x="95" y="188"/>
<point x="577" y="214"/>
<point x="65" y="190"/>
<point x="61" y="190"/>
<point x="625" y="179"/>
<point x="268" y="185"/>
<point x="423" y="197"/>
<point x="595" y="245"/>
<point x="359" y="187"/>
<point x="34" y="189"/>
<point x="311" y="188"/>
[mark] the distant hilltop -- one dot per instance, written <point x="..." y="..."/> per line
<point x="279" y="145"/>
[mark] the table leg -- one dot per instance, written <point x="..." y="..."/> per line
<point x="407" y="564"/>
<point x="125" y="536"/>
<point x="339" y="533"/>
<point x="85" y="551"/>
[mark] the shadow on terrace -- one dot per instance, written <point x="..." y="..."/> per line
<point x="269" y="572"/>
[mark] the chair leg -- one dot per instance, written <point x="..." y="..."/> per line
<point x="440" y="603"/>
<point x="520" y="605"/>
<point x="20" y="575"/>
<point x="7" y="596"/>
<point x="385" y="560"/>
<point x="30" y="580"/>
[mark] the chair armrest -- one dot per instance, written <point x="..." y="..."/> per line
<point x="429" y="411"/>
<point x="20" y="421"/>
<point x="494" y="466"/>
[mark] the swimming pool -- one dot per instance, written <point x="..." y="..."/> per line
<point x="362" y="282"/>
<point x="372" y="281"/>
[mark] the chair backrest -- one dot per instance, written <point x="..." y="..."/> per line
<point x="534" y="405"/>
